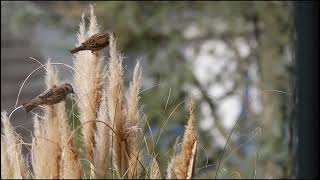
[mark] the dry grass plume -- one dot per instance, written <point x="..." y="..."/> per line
<point x="180" y="165"/>
<point x="11" y="156"/>
<point x="155" y="170"/>
<point x="88" y="83"/>
<point x="103" y="140"/>
<point x="133" y="136"/>
<point x="46" y="161"/>
<point x="116" y="109"/>
<point x="70" y="167"/>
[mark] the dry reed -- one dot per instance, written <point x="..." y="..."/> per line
<point x="70" y="167"/>
<point x="37" y="151"/>
<point x="47" y="160"/>
<point x="116" y="109"/>
<point x="88" y="83"/>
<point x="133" y="138"/>
<point x="6" y="165"/>
<point x="52" y="128"/>
<point x="179" y="166"/>
<point x="154" y="170"/>
<point x="103" y="139"/>
<point x="11" y="156"/>
<point x="54" y="133"/>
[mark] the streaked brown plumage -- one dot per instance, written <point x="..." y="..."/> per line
<point x="94" y="43"/>
<point x="51" y="96"/>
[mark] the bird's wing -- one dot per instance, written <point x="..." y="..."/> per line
<point x="49" y="93"/>
<point x="97" y="41"/>
<point x="56" y="96"/>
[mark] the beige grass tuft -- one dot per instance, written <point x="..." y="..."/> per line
<point x="6" y="165"/>
<point x="37" y="152"/>
<point x="46" y="150"/>
<point x="70" y="167"/>
<point x="154" y="170"/>
<point x="133" y="137"/>
<point x="116" y="108"/>
<point x="11" y="156"/>
<point x="192" y="162"/>
<point x="182" y="165"/>
<point x="88" y="83"/>
<point x="52" y="129"/>
<point x="103" y="139"/>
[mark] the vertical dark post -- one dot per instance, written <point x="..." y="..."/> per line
<point x="307" y="56"/>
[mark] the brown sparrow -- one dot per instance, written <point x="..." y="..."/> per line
<point x="94" y="43"/>
<point x="51" y="96"/>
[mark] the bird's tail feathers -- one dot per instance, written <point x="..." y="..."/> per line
<point x="76" y="49"/>
<point x="30" y="105"/>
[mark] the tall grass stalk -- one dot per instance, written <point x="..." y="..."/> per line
<point x="103" y="139"/>
<point x="88" y="83"/>
<point x="132" y="127"/>
<point x="11" y="156"/>
<point x="182" y="165"/>
<point x="116" y="109"/>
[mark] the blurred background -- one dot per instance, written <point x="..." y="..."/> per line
<point x="234" y="58"/>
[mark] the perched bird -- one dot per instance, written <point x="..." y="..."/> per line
<point x="51" y="96"/>
<point x="94" y="43"/>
